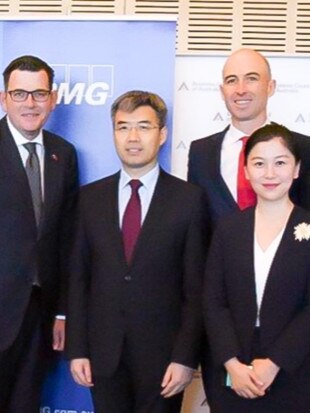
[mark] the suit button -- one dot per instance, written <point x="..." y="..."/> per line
<point x="127" y="278"/>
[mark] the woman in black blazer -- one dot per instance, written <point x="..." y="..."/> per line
<point x="257" y="289"/>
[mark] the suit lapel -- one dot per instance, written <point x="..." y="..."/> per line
<point x="213" y="162"/>
<point x="53" y="171"/>
<point x="283" y="253"/>
<point x="154" y="214"/>
<point x="107" y="204"/>
<point x="11" y="165"/>
<point x="12" y="162"/>
<point x="113" y="216"/>
<point x="245" y="257"/>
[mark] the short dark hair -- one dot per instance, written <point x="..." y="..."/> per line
<point x="268" y="132"/>
<point x="31" y="64"/>
<point x="130" y="101"/>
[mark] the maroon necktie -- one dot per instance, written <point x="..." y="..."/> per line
<point x="246" y="197"/>
<point x="132" y="220"/>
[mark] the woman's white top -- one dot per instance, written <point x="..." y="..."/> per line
<point x="262" y="263"/>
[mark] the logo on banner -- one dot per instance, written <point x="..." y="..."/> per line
<point x="90" y="84"/>
<point x="197" y="86"/>
<point x="47" y="409"/>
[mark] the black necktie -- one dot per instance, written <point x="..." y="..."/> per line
<point x="132" y="220"/>
<point x="34" y="177"/>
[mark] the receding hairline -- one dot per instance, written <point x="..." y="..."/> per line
<point x="248" y="52"/>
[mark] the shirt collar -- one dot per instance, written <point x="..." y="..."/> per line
<point x="146" y="179"/>
<point x="234" y="134"/>
<point x="20" y="139"/>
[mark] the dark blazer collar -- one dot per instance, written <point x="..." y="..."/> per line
<point x="8" y="149"/>
<point x="11" y="165"/>
<point x="283" y="253"/>
<point x="213" y="159"/>
<point x="11" y="162"/>
<point x="53" y="173"/>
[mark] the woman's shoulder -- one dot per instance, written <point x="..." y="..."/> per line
<point x="299" y="212"/>
<point x="236" y="220"/>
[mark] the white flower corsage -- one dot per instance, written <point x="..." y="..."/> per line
<point x="302" y="231"/>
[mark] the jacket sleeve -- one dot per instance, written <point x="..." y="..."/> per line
<point x="217" y="316"/>
<point x="187" y="346"/>
<point x="67" y="224"/>
<point x="76" y="326"/>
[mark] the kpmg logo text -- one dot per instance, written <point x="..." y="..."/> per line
<point x="77" y="84"/>
<point x="47" y="409"/>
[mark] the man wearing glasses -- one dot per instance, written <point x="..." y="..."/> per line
<point x="134" y="319"/>
<point x="38" y="185"/>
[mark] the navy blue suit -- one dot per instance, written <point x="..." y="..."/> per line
<point x="204" y="170"/>
<point x="230" y="313"/>
<point x="149" y="311"/>
<point x="27" y="250"/>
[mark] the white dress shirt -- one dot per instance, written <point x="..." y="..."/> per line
<point x="146" y="192"/>
<point x="20" y="140"/>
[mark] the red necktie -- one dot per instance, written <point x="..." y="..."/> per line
<point x="246" y="197"/>
<point x="132" y="219"/>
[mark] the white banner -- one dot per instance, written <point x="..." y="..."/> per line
<point x="200" y="111"/>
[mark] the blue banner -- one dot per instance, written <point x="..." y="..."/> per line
<point x="94" y="62"/>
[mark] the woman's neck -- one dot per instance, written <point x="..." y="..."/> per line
<point x="274" y="208"/>
<point x="270" y="219"/>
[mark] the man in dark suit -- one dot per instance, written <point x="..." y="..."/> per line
<point x="38" y="183"/>
<point x="213" y="161"/>
<point x="134" y="321"/>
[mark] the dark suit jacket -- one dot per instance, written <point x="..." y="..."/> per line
<point x="230" y="300"/>
<point x="156" y="297"/>
<point x="204" y="170"/>
<point x="24" y="249"/>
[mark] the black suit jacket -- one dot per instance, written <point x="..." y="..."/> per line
<point x="204" y="170"/>
<point x="24" y="249"/>
<point x="157" y="296"/>
<point x="230" y="300"/>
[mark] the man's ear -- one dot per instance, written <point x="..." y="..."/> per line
<point x="3" y="97"/>
<point x="163" y="135"/>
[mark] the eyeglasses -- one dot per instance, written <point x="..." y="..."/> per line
<point x="20" y="95"/>
<point x="141" y="128"/>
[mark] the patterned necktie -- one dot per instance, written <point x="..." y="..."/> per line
<point x="246" y="197"/>
<point x="34" y="177"/>
<point x="132" y="220"/>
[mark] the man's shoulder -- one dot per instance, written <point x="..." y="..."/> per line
<point x="4" y="128"/>
<point x="215" y="138"/>
<point x="100" y="185"/>
<point x="57" y="140"/>
<point x="231" y="223"/>
<point x="300" y="137"/>
<point x="303" y="144"/>
<point x="178" y="185"/>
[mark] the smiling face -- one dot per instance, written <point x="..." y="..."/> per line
<point x="271" y="168"/>
<point x="246" y="87"/>
<point x="138" y="138"/>
<point x="28" y="117"/>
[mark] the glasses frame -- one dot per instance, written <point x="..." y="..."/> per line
<point x="30" y="92"/>
<point x="143" y="128"/>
